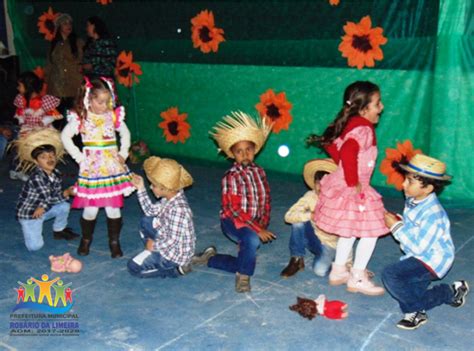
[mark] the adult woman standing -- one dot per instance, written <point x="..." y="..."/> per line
<point x="63" y="69"/>
<point x="100" y="52"/>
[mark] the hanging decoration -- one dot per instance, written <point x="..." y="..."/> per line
<point x="175" y="128"/>
<point x="39" y="71"/>
<point x="334" y="2"/>
<point x="139" y="152"/>
<point x="361" y="44"/>
<point x="46" y="24"/>
<point x="204" y="34"/>
<point x="104" y="2"/>
<point x="275" y="108"/>
<point x="126" y="70"/>
<point x="390" y="166"/>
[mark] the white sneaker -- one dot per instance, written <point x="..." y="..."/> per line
<point x="14" y="175"/>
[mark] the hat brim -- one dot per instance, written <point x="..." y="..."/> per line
<point x="425" y="174"/>
<point x="313" y="166"/>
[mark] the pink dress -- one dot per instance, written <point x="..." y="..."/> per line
<point x="103" y="180"/>
<point x="340" y="209"/>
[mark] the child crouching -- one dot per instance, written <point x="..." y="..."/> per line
<point x="167" y="229"/>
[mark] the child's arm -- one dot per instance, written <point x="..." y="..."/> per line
<point x="266" y="206"/>
<point x="301" y="211"/>
<point x="20" y="104"/>
<point x="71" y="129"/>
<point x="124" y="133"/>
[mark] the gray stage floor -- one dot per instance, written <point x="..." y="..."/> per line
<point x="201" y="311"/>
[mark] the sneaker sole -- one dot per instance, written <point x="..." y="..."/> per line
<point x="355" y="290"/>
<point x="464" y="297"/>
<point x="416" y="327"/>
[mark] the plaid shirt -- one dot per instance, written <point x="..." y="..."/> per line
<point x="174" y="222"/>
<point x="102" y="55"/>
<point x="425" y="234"/>
<point x="32" y="115"/>
<point x="40" y="190"/>
<point x="246" y="196"/>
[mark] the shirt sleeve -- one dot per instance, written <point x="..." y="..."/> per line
<point x="420" y="238"/>
<point x="71" y="129"/>
<point x="149" y="209"/>
<point x="265" y="221"/>
<point x="124" y="132"/>
<point x="301" y="211"/>
<point x="349" y="153"/>
<point x="49" y="102"/>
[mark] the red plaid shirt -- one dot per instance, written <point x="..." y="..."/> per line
<point x="246" y="196"/>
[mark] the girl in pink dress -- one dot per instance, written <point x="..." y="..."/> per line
<point x="104" y="177"/>
<point x="348" y="206"/>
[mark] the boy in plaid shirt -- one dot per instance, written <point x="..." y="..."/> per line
<point x="167" y="229"/>
<point x="245" y="212"/>
<point x="42" y="197"/>
<point x="425" y="238"/>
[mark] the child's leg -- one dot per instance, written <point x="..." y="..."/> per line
<point x="151" y="264"/>
<point x="322" y="263"/>
<point x="60" y="213"/>
<point x="408" y="281"/>
<point x="114" y="225"/>
<point x="339" y="273"/>
<point x="146" y="229"/>
<point x="298" y="243"/>
<point x="88" y="220"/>
<point x="364" y="251"/>
<point x="33" y="233"/>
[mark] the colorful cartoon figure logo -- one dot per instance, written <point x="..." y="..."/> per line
<point x="26" y="297"/>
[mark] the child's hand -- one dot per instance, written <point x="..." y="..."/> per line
<point x="39" y="212"/>
<point x="137" y="181"/>
<point x="390" y="219"/>
<point x="71" y="191"/>
<point x="149" y="245"/>
<point x="266" y="235"/>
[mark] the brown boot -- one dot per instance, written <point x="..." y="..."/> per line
<point x="87" y="228"/>
<point x="242" y="283"/>
<point x="295" y="265"/>
<point x="114" y="225"/>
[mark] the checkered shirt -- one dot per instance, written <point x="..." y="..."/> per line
<point x="173" y="220"/>
<point x="246" y="196"/>
<point x="34" y="113"/>
<point x="39" y="191"/>
<point x="425" y="234"/>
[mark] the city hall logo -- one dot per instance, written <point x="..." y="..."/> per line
<point x="36" y="294"/>
<point x="51" y="301"/>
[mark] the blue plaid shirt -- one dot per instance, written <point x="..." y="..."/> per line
<point x="174" y="222"/>
<point x="425" y="234"/>
<point x="40" y="190"/>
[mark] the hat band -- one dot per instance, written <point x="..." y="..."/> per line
<point x="425" y="172"/>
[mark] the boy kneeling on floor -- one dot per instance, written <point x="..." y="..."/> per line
<point x="167" y="229"/>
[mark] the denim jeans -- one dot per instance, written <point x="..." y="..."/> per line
<point x="150" y="264"/>
<point x="408" y="282"/>
<point x="302" y="238"/>
<point x="33" y="228"/>
<point x="246" y="259"/>
<point x="3" y="146"/>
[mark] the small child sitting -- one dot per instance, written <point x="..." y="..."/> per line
<point x="425" y="238"/>
<point x="304" y="233"/>
<point x="167" y="229"/>
<point x="42" y="197"/>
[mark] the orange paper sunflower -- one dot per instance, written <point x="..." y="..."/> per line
<point x="46" y="24"/>
<point x="104" y="2"/>
<point x="205" y="35"/>
<point x="275" y="109"/>
<point x="39" y="71"/>
<point x="334" y="2"/>
<point x="361" y="44"/>
<point x="175" y="128"/>
<point x="126" y="70"/>
<point x="390" y="166"/>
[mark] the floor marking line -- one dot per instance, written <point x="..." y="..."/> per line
<point x="369" y="338"/>
<point x="462" y="246"/>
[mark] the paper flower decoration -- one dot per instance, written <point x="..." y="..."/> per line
<point x="361" y="44"/>
<point x="334" y="2"/>
<point x="205" y="35"/>
<point x="175" y="128"/>
<point x="126" y="70"/>
<point x="138" y="152"/>
<point x="46" y="24"/>
<point x="104" y="2"/>
<point x="39" y="71"/>
<point x="390" y="166"/>
<point x="275" y="109"/>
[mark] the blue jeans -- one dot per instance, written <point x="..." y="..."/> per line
<point x="408" y="281"/>
<point x="150" y="264"/>
<point x="3" y="146"/>
<point x="246" y="259"/>
<point x="302" y="238"/>
<point x="33" y="228"/>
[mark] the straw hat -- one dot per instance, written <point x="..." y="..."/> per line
<point x="167" y="173"/>
<point x="44" y="136"/>
<point x="427" y="167"/>
<point x="239" y="126"/>
<point x="313" y="166"/>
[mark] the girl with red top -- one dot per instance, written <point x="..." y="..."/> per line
<point x="348" y="206"/>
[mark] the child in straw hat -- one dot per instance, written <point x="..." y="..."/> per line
<point x="167" y="229"/>
<point x="245" y="212"/>
<point x="425" y="238"/>
<point x="42" y="197"/>
<point x="304" y="233"/>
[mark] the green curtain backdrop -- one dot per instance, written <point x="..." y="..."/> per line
<point x="426" y="76"/>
